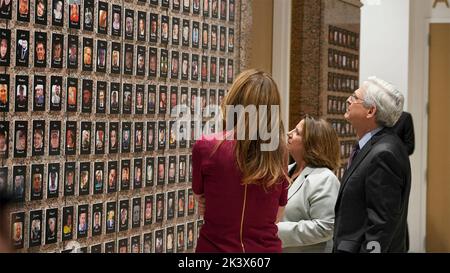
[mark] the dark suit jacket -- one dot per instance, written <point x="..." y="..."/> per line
<point x="404" y="128"/>
<point x="372" y="204"/>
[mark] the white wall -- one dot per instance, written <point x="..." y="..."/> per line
<point x="384" y="41"/>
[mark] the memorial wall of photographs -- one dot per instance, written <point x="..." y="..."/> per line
<point x="342" y="79"/>
<point x="86" y="139"/>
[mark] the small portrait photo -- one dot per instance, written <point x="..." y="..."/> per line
<point x="149" y="173"/>
<point x="102" y="55"/>
<point x="213" y="70"/>
<point x="148" y="210"/>
<point x="74" y="14"/>
<point x="83" y="225"/>
<point x="85" y="142"/>
<point x="204" y="69"/>
<point x="4" y="93"/>
<point x="35" y="228"/>
<point x="230" y="71"/>
<point x="18" y="183"/>
<point x="20" y="139"/>
<point x="72" y="95"/>
<point x="170" y="205"/>
<point x="169" y="239"/>
<point x="159" y="207"/>
<point x="186" y="32"/>
<point x="173" y="100"/>
<point x="39" y="93"/>
<point x="137" y="181"/>
<point x="100" y="137"/>
<point x="195" y="34"/>
<point x="185" y="66"/>
<point x="112" y="176"/>
<point x="116" y="29"/>
<point x="181" y="203"/>
<point x="153" y="61"/>
<point x="136" y="244"/>
<point x="176" y="4"/>
<point x="86" y="96"/>
<point x="190" y="235"/>
<point x="88" y="53"/>
<point x="215" y="8"/>
<point x="182" y="169"/>
<point x="150" y="136"/>
<point x="140" y="63"/>
<point x="40" y="49"/>
<point x="71" y="129"/>
<point x="110" y="217"/>
<point x="97" y="212"/>
<point x="230" y="40"/>
<point x="128" y="59"/>
<point x="172" y="172"/>
<point x="162" y="99"/>
<point x="186" y="6"/>
<point x="57" y="50"/>
<point x="53" y="180"/>
<point x="142" y="26"/>
<point x="88" y="23"/>
<point x="54" y="136"/>
<point x="123" y="245"/>
<point x="191" y="202"/>
<point x="85" y="177"/>
<point x="161" y="135"/>
<point x="159" y="241"/>
<point x="67" y="224"/>
<point x="115" y="58"/>
<point x="138" y="136"/>
<point x="99" y="177"/>
<point x="161" y="171"/>
<point x="153" y="27"/>
<point x="58" y="13"/>
<point x="37" y="183"/>
<point x="175" y="31"/>
<point x="136" y="216"/>
<point x="125" y="175"/>
<point x="101" y="97"/>
<point x="222" y="70"/>
<point x="206" y="8"/>
<point x="5" y="47"/>
<point x="164" y="29"/>
<point x="114" y="106"/>
<point x="22" y="48"/>
<point x="38" y="137"/>
<point x="139" y="99"/>
<point x="4" y="139"/>
<point x="17" y="232"/>
<point x="194" y="67"/>
<point x="113" y="137"/>
<point x="72" y="52"/>
<point x="69" y="180"/>
<point x="56" y="93"/>
<point x="196" y="6"/>
<point x="123" y="214"/>
<point x="180" y="239"/>
<point x="174" y="65"/>
<point x="223" y="38"/>
<point x="151" y="104"/>
<point x="205" y="36"/>
<point x="5" y="9"/>
<point x="129" y="24"/>
<point x="126" y="137"/>
<point x="172" y="136"/>
<point x="21" y="94"/>
<point x="231" y="10"/>
<point x="102" y="17"/>
<point x="127" y="99"/>
<point x="164" y="63"/>
<point x="51" y="227"/>
<point x="223" y="9"/>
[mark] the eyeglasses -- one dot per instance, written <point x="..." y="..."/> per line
<point x="354" y="99"/>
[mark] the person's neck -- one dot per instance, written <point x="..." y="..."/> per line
<point x="363" y="131"/>
<point x="300" y="166"/>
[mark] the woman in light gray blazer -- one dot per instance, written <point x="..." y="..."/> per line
<point x="307" y="225"/>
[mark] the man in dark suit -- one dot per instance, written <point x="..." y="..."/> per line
<point x="372" y="205"/>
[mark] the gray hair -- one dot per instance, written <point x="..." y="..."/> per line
<point x="386" y="98"/>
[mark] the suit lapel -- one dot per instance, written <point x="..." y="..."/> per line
<point x="296" y="185"/>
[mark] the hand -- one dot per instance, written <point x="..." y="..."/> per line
<point x="201" y="203"/>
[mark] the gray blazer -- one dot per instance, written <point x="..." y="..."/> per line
<point x="308" y="221"/>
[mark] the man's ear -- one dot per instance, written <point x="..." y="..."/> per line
<point x="371" y="112"/>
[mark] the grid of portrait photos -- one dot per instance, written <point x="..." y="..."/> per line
<point x="342" y="80"/>
<point x="88" y="90"/>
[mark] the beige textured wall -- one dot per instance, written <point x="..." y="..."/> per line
<point x="261" y="35"/>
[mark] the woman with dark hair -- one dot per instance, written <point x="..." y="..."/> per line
<point x="308" y="223"/>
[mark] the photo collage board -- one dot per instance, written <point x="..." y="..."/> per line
<point x="342" y="79"/>
<point x="88" y="92"/>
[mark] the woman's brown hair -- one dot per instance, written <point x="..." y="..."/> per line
<point x="321" y="144"/>
<point x="265" y="168"/>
